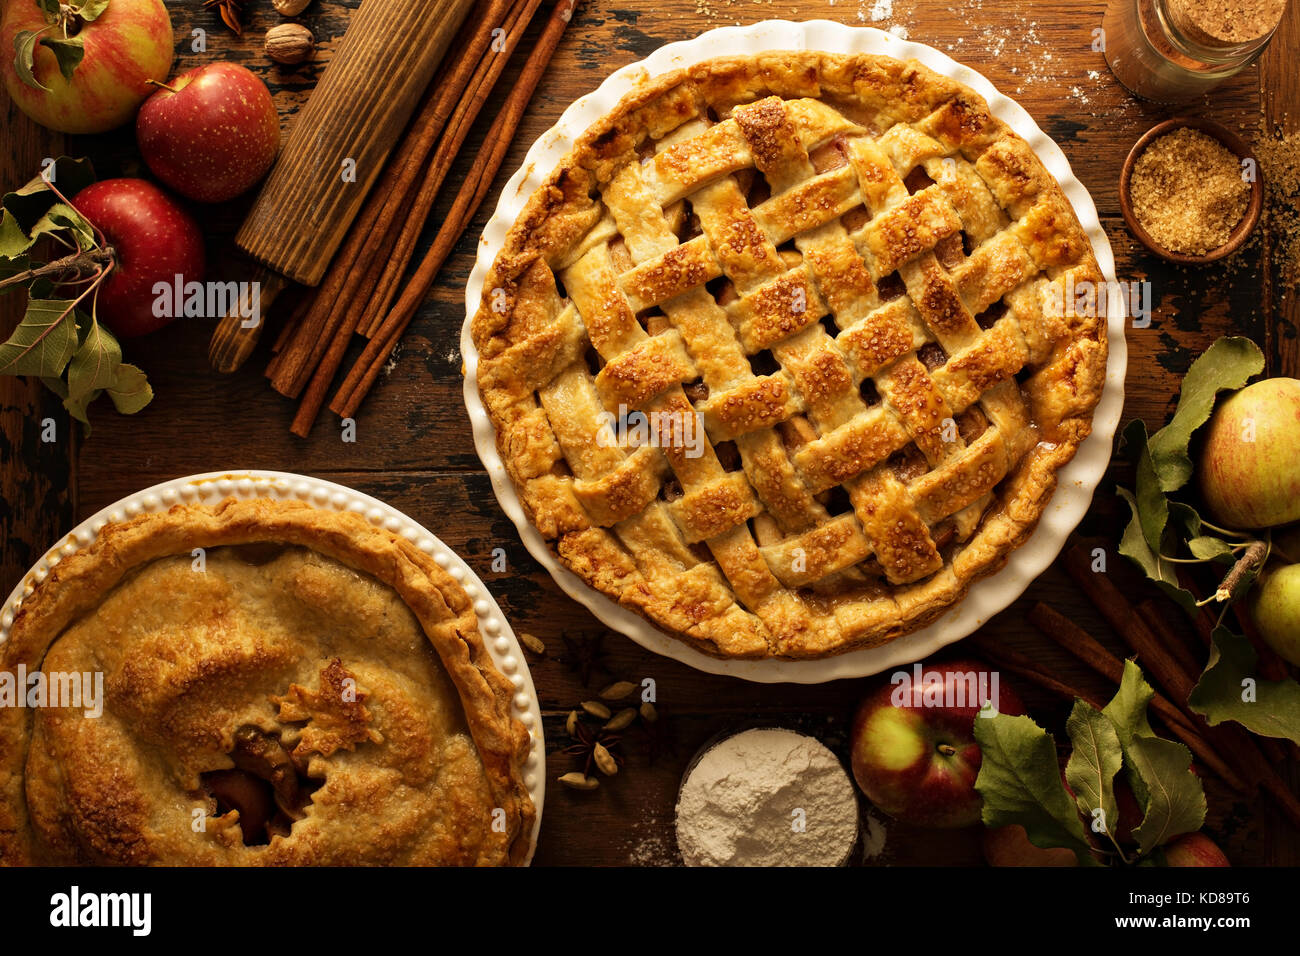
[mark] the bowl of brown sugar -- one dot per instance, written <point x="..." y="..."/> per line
<point x="1191" y="191"/>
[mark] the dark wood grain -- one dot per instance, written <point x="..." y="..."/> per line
<point x="413" y="447"/>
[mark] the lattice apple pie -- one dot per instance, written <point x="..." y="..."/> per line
<point x="314" y="691"/>
<point x="783" y="355"/>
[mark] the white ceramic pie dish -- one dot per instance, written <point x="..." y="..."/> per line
<point x="1076" y="482"/>
<point x="216" y="486"/>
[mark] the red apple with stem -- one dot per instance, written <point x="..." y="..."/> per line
<point x="211" y="133"/>
<point x="149" y="239"/>
<point x="123" y="46"/>
<point x="913" y="743"/>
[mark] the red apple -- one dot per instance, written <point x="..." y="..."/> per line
<point x="1010" y="846"/>
<point x="152" y="239"/>
<point x="1194" y="849"/>
<point x="211" y="133"/>
<point x="126" y="46"/>
<point x="1247" y="470"/>
<point x="913" y="744"/>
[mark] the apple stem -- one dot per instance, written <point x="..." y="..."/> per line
<point x="164" y="86"/>
<point x="1254" y="557"/>
<point x="947" y="749"/>
<point x="70" y="270"/>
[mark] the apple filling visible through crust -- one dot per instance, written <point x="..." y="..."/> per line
<point x="263" y="704"/>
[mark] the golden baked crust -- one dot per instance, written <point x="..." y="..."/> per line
<point x="845" y="266"/>
<point x="309" y="649"/>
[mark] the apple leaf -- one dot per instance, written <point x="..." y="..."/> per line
<point x="1133" y="545"/>
<point x="1229" y="690"/>
<point x="51" y="8"/>
<point x="43" y="342"/>
<point x="1159" y="770"/>
<point x="95" y="365"/>
<point x="1175" y="801"/>
<point x="1208" y="546"/>
<point x="62" y="216"/>
<point x="25" y="58"/>
<point x="1091" y="769"/>
<point x="1020" y="783"/>
<point x="130" y="390"/>
<point x="67" y="51"/>
<point x="1226" y="365"/>
<point x="14" y="243"/>
<point x="29" y="203"/>
<point x="91" y="9"/>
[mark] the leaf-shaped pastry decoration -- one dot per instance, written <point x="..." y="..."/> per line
<point x="335" y="714"/>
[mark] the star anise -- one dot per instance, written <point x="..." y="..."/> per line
<point x="229" y="10"/>
<point x="585" y="656"/>
<point x="586" y="737"/>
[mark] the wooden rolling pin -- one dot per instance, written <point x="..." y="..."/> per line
<point x="336" y="150"/>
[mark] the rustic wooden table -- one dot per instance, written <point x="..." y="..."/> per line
<point x="413" y="446"/>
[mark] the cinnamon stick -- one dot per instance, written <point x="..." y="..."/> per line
<point x="1237" y="746"/>
<point x="1021" y="665"/>
<point x="399" y="245"/>
<point x="1075" y="640"/>
<point x="472" y="192"/>
<point x="335" y="297"/>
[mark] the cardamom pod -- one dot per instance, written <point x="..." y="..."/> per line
<point x="596" y="709"/>
<point x="622" y="720"/>
<point x="605" y="761"/>
<point x="532" y="643"/>
<point x="579" y="781"/>
<point x="618" y="690"/>
<point x="648" y="712"/>
<point x="571" y="724"/>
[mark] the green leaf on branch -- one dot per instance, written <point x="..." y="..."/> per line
<point x="1227" y="364"/>
<point x="130" y="391"/>
<point x="1207" y="546"/>
<point x="29" y="203"/>
<point x="1175" y="801"/>
<point x="67" y="51"/>
<point x="1020" y="783"/>
<point x="25" y="58"/>
<point x="51" y="9"/>
<point x="91" y="9"/>
<point x="1229" y="690"/>
<point x="1091" y="769"/>
<point x="1133" y="545"/>
<point x="95" y="365"/>
<point x="43" y="342"/>
<point x="1159" y="770"/>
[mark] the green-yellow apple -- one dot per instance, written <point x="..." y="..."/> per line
<point x="1194" y="849"/>
<point x="1249" y="470"/>
<point x="1275" y="606"/>
<point x="913" y="741"/>
<point x="125" y="46"/>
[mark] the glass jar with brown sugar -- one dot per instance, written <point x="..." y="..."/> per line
<point x="1171" y="51"/>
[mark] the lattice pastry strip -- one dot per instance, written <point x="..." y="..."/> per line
<point x="852" y="298"/>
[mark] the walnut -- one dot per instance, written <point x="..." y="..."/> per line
<point x="289" y="43"/>
<point x="290" y="8"/>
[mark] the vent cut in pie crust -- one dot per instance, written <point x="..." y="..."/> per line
<point x="858" y="284"/>
<point x="304" y="688"/>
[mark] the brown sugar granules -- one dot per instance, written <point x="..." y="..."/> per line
<point x="1187" y="191"/>
<point x="1279" y="160"/>
<point x="1218" y="23"/>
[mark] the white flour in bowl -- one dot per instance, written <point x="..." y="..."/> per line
<point x="767" y="798"/>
